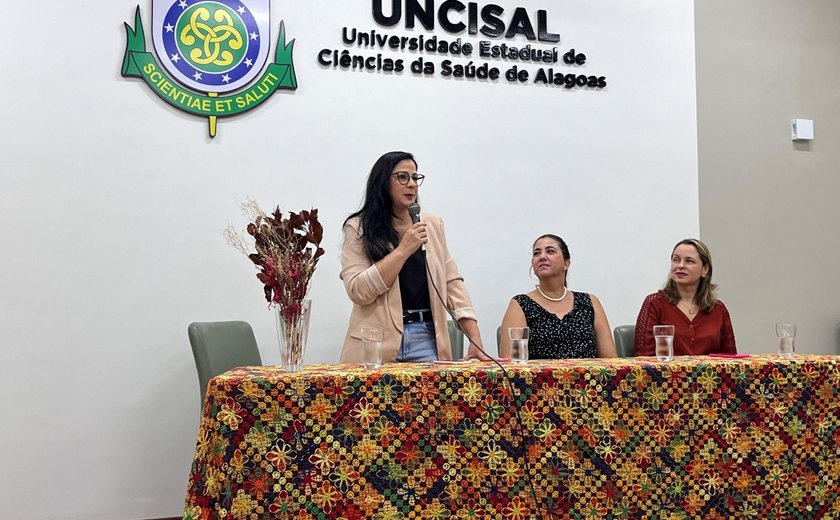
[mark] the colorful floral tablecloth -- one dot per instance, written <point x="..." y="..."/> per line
<point x="698" y="437"/>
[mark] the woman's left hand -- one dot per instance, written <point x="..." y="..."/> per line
<point x="475" y="353"/>
<point x="470" y="328"/>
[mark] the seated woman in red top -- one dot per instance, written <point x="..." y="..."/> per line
<point x="689" y="303"/>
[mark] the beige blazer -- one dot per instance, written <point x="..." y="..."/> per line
<point x="375" y="304"/>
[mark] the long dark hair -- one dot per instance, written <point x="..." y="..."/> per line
<point x="377" y="212"/>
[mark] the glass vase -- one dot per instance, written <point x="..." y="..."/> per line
<point x="292" y="333"/>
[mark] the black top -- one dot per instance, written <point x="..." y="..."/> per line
<point x="414" y="287"/>
<point x="550" y="337"/>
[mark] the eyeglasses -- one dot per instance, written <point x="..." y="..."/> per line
<point x="404" y="177"/>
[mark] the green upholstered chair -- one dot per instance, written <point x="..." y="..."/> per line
<point x="625" y="337"/>
<point x="456" y="338"/>
<point x="219" y="346"/>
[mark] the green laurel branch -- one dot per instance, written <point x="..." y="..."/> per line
<point x="283" y="54"/>
<point x="135" y="41"/>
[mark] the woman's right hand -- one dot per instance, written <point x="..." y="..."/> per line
<point x="389" y="267"/>
<point x="413" y="238"/>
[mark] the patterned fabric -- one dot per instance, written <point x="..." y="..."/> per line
<point x="572" y="336"/>
<point x="698" y="437"/>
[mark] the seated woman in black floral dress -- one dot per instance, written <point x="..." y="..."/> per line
<point x="562" y="323"/>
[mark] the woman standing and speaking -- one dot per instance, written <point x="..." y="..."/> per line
<point x="383" y="266"/>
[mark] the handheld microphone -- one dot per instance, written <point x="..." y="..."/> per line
<point x="414" y="213"/>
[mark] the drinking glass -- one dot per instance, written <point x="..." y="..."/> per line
<point x="786" y="332"/>
<point x="372" y="346"/>
<point x="664" y="337"/>
<point x="518" y="344"/>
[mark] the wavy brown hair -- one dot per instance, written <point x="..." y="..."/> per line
<point x="706" y="295"/>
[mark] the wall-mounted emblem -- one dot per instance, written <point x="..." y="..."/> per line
<point x="209" y="53"/>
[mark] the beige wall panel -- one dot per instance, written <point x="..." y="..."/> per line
<point x="768" y="205"/>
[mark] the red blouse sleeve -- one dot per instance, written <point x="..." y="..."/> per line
<point x="727" y="334"/>
<point x="648" y="315"/>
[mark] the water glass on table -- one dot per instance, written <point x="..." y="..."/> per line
<point x="372" y="345"/>
<point x="786" y="333"/>
<point x="663" y="336"/>
<point x="518" y="344"/>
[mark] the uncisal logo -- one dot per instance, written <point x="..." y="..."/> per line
<point x="206" y="48"/>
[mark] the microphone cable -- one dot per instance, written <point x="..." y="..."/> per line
<point x="509" y="379"/>
<point x="414" y="213"/>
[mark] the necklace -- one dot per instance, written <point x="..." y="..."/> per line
<point x="691" y="310"/>
<point x="560" y="299"/>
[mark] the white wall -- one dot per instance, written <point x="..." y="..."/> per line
<point x="114" y="205"/>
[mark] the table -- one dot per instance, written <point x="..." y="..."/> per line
<point x="698" y="437"/>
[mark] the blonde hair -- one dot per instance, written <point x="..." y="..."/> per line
<point x="706" y="295"/>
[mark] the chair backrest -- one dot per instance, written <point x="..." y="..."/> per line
<point x="218" y="346"/>
<point x="456" y="338"/>
<point x="625" y="337"/>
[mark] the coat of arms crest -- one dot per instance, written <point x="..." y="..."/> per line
<point x="209" y="53"/>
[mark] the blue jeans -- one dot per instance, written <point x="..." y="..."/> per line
<point x="418" y="343"/>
